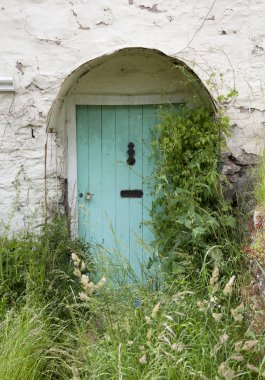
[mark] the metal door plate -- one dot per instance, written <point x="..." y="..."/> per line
<point x="131" y="193"/>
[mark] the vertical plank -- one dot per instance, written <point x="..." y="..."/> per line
<point x="108" y="176"/>
<point x="135" y="182"/>
<point x="82" y="136"/>
<point x="122" y="222"/>
<point x="149" y="121"/>
<point x="94" y="205"/>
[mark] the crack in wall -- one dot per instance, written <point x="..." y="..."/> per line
<point x="153" y="8"/>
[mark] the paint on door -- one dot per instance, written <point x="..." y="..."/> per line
<point x="105" y="168"/>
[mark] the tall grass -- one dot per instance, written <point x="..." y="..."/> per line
<point x="31" y="348"/>
<point x="192" y="327"/>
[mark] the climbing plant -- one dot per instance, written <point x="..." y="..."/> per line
<point x="188" y="209"/>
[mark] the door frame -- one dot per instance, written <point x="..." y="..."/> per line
<point x="70" y="120"/>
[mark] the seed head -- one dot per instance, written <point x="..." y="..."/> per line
<point x="155" y="310"/>
<point x="249" y="344"/>
<point x="252" y="368"/>
<point x="83" y="266"/>
<point x="179" y="347"/>
<point x="236" y="313"/>
<point x="75" y="259"/>
<point x="225" y="371"/>
<point x="101" y="283"/>
<point x="237" y="358"/>
<point x="142" y="359"/>
<point x="83" y="297"/>
<point x="228" y="287"/>
<point x="215" y="276"/>
<point x="149" y="334"/>
<point x="223" y="338"/>
<point x="147" y="319"/>
<point x="84" y="280"/>
<point x="77" y="273"/>
<point x="217" y="316"/>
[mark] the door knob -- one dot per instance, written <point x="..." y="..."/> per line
<point x="88" y="196"/>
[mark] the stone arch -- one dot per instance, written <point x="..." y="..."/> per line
<point x="127" y="76"/>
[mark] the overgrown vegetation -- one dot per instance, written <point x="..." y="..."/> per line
<point x="189" y="211"/>
<point x="57" y="323"/>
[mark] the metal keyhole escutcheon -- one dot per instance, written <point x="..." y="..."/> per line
<point x="131" y="153"/>
<point x="88" y="196"/>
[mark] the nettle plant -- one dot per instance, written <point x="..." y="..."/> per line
<point x="189" y="208"/>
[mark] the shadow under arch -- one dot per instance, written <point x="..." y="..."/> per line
<point x="182" y="74"/>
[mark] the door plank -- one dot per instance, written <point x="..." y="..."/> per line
<point x="108" y="175"/>
<point x="149" y="121"/>
<point x="135" y="182"/>
<point x="94" y="205"/>
<point x="82" y="172"/>
<point x="122" y="223"/>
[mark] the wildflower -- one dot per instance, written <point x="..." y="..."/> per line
<point x="179" y="347"/>
<point x="101" y="283"/>
<point x="225" y="371"/>
<point x="223" y="338"/>
<point x="130" y="342"/>
<point x="228" y="287"/>
<point x="83" y="266"/>
<point x="77" y="273"/>
<point x="155" y="310"/>
<point x="217" y="316"/>
<point x="142" y="359"/>
<point x="249" y="344"/>
<point x="141" y="348"/>
<point x="75" y="259"/>
<point x="83" y="296"/>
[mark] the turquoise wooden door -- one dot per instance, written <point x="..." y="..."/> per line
<point x="110" y="216"/>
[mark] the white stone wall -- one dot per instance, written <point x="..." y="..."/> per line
<point x="43" y="41"/>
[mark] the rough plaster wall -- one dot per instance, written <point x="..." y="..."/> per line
<point x="43" y="41"/>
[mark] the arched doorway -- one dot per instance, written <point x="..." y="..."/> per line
<point x="110" y="107"/>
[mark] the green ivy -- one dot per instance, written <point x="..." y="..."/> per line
<point x="188" y="209"/>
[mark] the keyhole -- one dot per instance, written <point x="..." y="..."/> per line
<point x="131" y="153"/>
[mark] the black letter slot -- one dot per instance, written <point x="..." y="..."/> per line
<point x="131" y="193"/>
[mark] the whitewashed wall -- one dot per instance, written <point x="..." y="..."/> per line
<point x="43" y="41"/>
